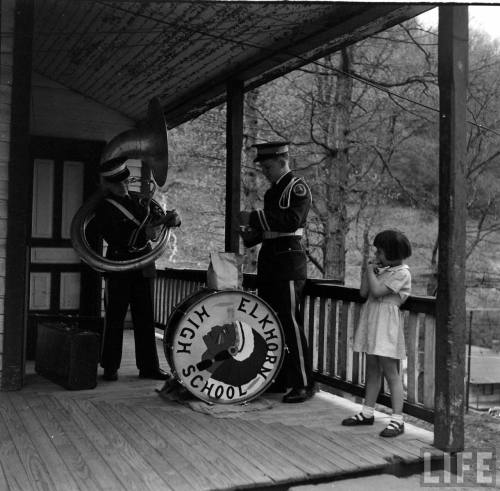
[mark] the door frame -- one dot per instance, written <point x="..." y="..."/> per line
<point x="55" y="148"/>
<point x="89" y="152"/>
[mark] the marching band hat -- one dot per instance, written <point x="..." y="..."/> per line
<point x="270" y="150"/>
<point x="114" y="170"/>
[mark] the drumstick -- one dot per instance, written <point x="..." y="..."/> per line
<point x="222" y="355"/>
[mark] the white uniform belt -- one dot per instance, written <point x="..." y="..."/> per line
<point x="267" y="234"/>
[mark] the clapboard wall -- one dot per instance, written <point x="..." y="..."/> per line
<point x="57" y="112"/>
<point x="6" y="57"/>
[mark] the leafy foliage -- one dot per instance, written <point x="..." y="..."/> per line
<point x="363" y="126"/>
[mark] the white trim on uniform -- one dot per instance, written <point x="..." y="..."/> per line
<point x="262" y="219"/>
<point x="106" y="303"/>
<point x="281" y="177"/>
<point x="123" y="210"/>
<point x="300" y="348"/>
<point x="285" y="198"/>
<point x="307" y="187"/>
<point x="284" y="201"/>
<point x="274" y="235"/>
<point x="114" y="171"/>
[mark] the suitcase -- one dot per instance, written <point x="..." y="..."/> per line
<point x="85" y="322"/>
<point x="67" y="355"/>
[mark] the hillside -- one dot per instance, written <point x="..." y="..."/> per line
<point x="202" y="231"/>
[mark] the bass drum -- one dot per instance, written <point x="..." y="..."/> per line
<point x="225" y="347"/>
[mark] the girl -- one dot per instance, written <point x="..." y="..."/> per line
<point x="387" y="284"/>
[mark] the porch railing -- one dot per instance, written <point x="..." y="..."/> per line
<point x="330" y="314"/>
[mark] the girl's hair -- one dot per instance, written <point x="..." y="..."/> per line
<point x="394" y="243"/>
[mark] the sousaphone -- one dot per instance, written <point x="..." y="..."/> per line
<point x="148" y="143"/>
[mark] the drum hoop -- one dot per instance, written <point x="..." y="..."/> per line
<point x="176" y="309"/>
<point x="211" y="292"/>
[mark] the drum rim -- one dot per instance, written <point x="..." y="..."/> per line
<point x="210" y="292"/>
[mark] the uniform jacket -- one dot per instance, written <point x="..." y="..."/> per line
<point x="118" y="225"/>
<point x="286" y="205"/>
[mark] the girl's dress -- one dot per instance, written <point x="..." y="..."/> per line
<point x="380" y="329"/>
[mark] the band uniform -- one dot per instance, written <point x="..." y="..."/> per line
<point x="282" y="270"/>
<point x="118" y="219"/>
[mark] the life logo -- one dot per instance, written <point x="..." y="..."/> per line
<point x="224" y="346"/>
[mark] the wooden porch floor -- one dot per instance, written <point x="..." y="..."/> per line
<point x="123" y="436"/>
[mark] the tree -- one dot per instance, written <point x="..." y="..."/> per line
<point x="348" y="134"/>
<point x="363" y="124"/>
<point x="196" y="177"/>
<point x="249" y="183"/>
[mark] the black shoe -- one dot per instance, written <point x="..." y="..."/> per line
<point x="357" y="420"/>
<point x="311" y="390"/>
<point x="297" y="395"/>
<point x="276" y="388"/>
<point x="110" y="375"/>
<point x="393" y="429"/>
<point x="155" y="374"/>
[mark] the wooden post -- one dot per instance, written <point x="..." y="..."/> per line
<point x="234" y="142"/>
<point x="19" y="202"/>
<point x="450" y="306"/>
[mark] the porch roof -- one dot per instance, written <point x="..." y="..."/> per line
<point x="123" y="53"/>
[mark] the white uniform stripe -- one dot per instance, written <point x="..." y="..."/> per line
<point x="262" y="219"/>
<point x="123" y="210"/>
<point x="114" y="171"/>
<point x="106" y="303"/>
<point x="286" y="195"/>
<point x="267" y="227"/>
<point x="300" y="348"/>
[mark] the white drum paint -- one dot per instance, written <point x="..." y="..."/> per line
<point x="225" y="346"/>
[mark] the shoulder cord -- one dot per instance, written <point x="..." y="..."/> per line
<point x="284" y="201"/>
<point x="123" y="210"/>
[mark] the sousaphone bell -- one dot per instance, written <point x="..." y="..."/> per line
<point x="148" y="143"/>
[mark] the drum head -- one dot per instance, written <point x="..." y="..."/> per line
<point x="225" y="347"/>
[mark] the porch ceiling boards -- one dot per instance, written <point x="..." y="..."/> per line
<point x="121" y="53"/>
